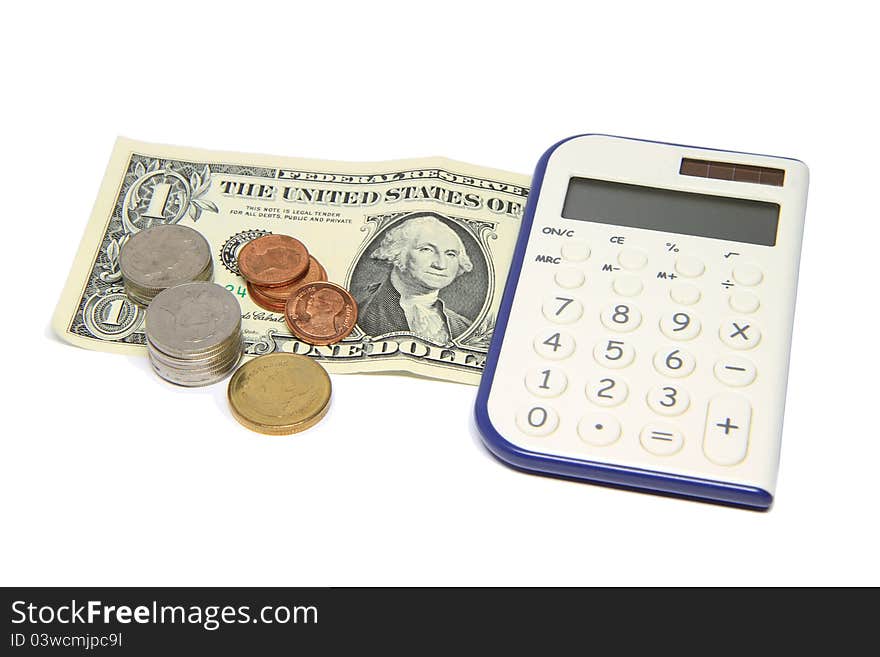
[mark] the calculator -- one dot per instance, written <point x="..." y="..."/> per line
<point x="644" y="334"/>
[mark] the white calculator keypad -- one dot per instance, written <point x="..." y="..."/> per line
<point x="637" y="354"/>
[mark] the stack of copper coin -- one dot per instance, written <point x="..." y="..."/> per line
<point x="282" y="277"/>
<point x="274" y="266"/>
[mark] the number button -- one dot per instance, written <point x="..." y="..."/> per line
<point x="599" y="429"/>
<point x="549" y="382"/>
<point x="537" y="420"/>
<point x="575" y="251"/>
<point x="740" y="334"/>
<point x="661" y="439"/>
<point x="733" y="371"/>
<point x="607" y="391"/>
<point x="562" y="309"/>
<point x="728" y="421"/>
<point x="554" y="345"/>
<point x="680" y="326"/>
<point x="614" y="353"/>
<point x="569" y="277"/>
<point x="621" y="317"/>
<point x="674" y="362"/>
<point x="668" y="400"/>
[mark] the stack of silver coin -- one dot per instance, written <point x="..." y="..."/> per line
<point x="161" y="257"/>
<point x="194" y="333"/>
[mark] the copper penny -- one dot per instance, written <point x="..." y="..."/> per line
<point x="273" y="260"/>
<point x="282" y="293"/>
<point x="321" y="313"/>
<point x="263" y="301"/>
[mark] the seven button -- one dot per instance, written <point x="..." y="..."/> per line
<point x="562" y="309"/>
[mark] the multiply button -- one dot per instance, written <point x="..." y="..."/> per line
<point x="689" y="266"/>
<point x="632" y="259"/>
<point x="661" y="439"/>
<point x="537" y="420"/>
<point x="562" y="309"/>
<point x="740" y="334"/>
<point x="728" y="421"/>
<point x="747" y="274"/>
<point x="599" y="429"/>
<point x="575" y="251"/>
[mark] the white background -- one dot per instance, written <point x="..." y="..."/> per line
<point x="111" y="477"/>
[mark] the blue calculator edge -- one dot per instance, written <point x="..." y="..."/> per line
<point x="600" y="473"/>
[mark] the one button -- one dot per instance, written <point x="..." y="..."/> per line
<point x="632" y="259"/>
<point x="689" y="266"/>
<point x="569" y="277"/>
<point x="607" y="391"/>
<point x="728" y="421"/>
<point x="747" y="274"/>
<point x="562" y="309"/>
<point x="554" y="345"/>
<point x="621" y="317"/>
<point x="599" y="429"/>
<point x="684" y="293"/>
<point x="743" y="302"/>
<point x="680" y="325"/>
<point x="537" y="420"/>
<point x="674" y="362"/>
<point x="627" y="285"/>
<point x="735" y="371"/>
<point x="661" y="439"/>
<point x="740" y="334"/>
<point x="547" y="382"/>
<point x="614" y="353"/>
<point x="668" y="400"/>
<point x="575" y="251"/>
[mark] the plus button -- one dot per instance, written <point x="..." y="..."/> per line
<point x="727" y="426"/>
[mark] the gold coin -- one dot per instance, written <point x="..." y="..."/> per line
<point x="279" y="394"/>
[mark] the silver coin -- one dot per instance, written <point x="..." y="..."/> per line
<point x="193" y="379"/>
<point x="163" y="256"/>
<point x="193" y="319"/>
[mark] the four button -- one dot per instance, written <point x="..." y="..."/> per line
<point x="554" y="345"/>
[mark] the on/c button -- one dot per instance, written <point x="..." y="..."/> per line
<point x="576" y="251"/>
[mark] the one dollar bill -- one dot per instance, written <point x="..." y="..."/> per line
<point x="424" y="245"/>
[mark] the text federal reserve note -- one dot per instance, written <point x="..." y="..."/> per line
<point x="423" y="245"/>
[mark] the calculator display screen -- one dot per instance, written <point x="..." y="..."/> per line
<point x="667" y="210"/>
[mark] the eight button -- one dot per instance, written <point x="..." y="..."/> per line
<point x="621" y="317"/>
